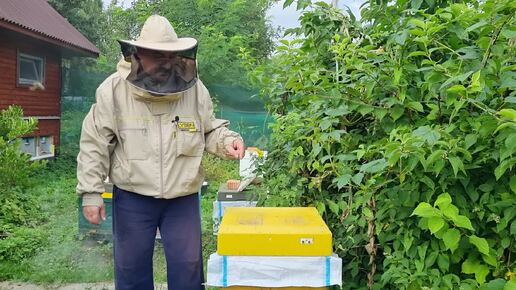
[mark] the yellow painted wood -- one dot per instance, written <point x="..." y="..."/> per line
<point x="273" y="231"/>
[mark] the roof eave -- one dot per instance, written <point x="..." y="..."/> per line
<point x="81" y="51"/>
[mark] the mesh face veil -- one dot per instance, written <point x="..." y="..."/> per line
<point x="161" y="72"/>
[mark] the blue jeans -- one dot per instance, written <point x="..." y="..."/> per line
<point x="135" y="220"/>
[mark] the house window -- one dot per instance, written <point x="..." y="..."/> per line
<point x="31" y="69"/>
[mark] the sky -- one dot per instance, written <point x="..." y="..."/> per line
<point x="285" y="18"/>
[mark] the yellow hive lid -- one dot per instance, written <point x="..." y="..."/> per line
<point x="288" y="231"/>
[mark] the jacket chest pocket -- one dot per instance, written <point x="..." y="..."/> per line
<point x="135" y="143"/>
<point x="190" y="139"/>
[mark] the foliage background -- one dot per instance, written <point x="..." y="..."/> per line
<point x="400" y="128"/>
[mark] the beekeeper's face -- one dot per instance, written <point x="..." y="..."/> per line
<point x="160" y="64"/>
<point x="161" y="72"/>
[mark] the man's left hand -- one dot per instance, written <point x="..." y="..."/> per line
<point x="236" y="149"/>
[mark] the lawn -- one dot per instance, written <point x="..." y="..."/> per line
<point x="57" y="254"/>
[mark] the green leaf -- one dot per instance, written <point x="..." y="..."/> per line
<point x="367" y="212"/>
<point x="334" y="208"/>
<point x="450" y="211"/>
<point x="443" y="200"/>
<point x="342" y="180"/>
<point x="487" y="187"/>
<point x="416" y="53"/>
<point x="496" y="284"/>
<point x="425" y="210"/>
<point x="511" y="100"/>
<point x="470" y="140"/>
<point x="469" y="266"/>
<point x="513" y="228"/>
<point x="397" y="76"/>
<point x="287" y="3"/>
<point x="428" y="134"/>
<point x="418" y="22"/>
<point x="508" y="80"/>
<point x="357" y="178"/>
<point x="443" y="261"/>
<point x="456" y="164"/>
<point x="505" y="125"/>
<point x="435" y="224"/>
<point x="451" y="239"/>
<point x="500" y="170"/>
<point x="434" y="156"/>
<point x="468" y="52"/>
<point x="325" y="124"/>
<point x="477" y="25"/>
<point x="490" y="260"/>
<point x="416" y="4"/>
<point x="475" y="82"/>
<point x="512" y="183"/>
<point x="463" y="222"/>
<point x="508" y="114"/>
<point x="458" y="78"/>
<point x="321" y="207"/>
<point x="374" y="166"/>
<point x="456" y="89"/>
<point x="426" y="180"/>
<point x="473" y="266"/>
<point x="510" y="142"/>
<point x="430" y="259"/>
<point x="481" y="274"/>
<point x="337" y="112"/>
<point x="397" y="112"/>
<point x="480" y="243"/>
<point x="416" y="106"/>
<point x="511" y="285"/>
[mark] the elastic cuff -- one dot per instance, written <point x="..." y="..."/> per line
<point x="92" y="199"/>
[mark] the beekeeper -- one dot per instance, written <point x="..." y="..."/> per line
<point x="151" y="123"/>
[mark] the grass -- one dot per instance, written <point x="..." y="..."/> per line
<point x="62" y="257"/>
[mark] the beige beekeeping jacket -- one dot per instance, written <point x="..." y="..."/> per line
<point x="134" y="138"/>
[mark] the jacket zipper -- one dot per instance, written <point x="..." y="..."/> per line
<point x="160" y="156"/>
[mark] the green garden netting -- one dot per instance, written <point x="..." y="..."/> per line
<point x="239" y="105"/>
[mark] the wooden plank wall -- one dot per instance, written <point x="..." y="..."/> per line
<point x="34" y="103"/>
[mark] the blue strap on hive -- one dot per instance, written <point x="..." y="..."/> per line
<point x="220" y="211"/>
<point x="224" y="271"/>
<point x="328" y="270"/>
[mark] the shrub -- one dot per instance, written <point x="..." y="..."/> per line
<point x="401" y="129"/>
<point x="18" y="207"/>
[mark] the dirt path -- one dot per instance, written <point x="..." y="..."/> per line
<point x="82" y="286"/>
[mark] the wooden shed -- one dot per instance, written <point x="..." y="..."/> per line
<point x="34" y="39"/>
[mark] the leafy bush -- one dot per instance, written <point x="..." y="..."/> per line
<point x="401" y="129"/>
<point x="15" y="167"/>
<point x="21" y="244"/>
<point x="18" y="208"/>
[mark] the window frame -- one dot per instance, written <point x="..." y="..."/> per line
<point x="28" y="82"/>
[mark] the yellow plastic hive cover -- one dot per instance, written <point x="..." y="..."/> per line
<point x="273" y="231"/>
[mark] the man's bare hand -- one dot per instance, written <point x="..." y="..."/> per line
<point x="236" y="149"/>
<point x="94" y="213"/>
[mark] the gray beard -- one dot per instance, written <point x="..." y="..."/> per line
<point x="173" y="84"/>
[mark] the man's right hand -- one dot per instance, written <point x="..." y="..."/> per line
<point x="94" y="213"/>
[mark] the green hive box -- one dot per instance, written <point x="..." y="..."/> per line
<point x="225" y="194"/>
<point x="104" y="231"/>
